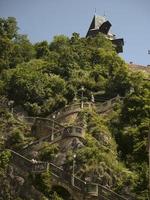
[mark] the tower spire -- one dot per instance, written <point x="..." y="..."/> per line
<point x="95" y="11"/>
<point x="104" y="14"/>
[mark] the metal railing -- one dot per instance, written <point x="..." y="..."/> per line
<point x="78" y="183"/>
<point x="107" y="105"/>
<point x="70" y="109"/>
<point x="21" y="161"/>
<point x="74" y="108"/>
<point x="107" y="193"/>
<point x="91" y="189"/>
<point x="48" y="121"/>
<point x="57" y="136"/>
<point x="39" y="167"/>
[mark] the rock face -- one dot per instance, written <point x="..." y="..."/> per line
<point x="141" y="68"/>
<point x="70" y="144"/>
<point x="18" y="185"/>
<point x="70" y="139"/>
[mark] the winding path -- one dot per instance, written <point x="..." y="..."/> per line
<point x="78" y="188"/>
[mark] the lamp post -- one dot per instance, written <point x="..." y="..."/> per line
<point x="10" y="104"/>
<point x="149" y="162"/>
<point x="75" y="97"/>
<point x="73" y="168"/>
<point x="82" y="90"/>
<point x="52" y="136"/>
<point x="92" y="98"/>
<point x="131" y="90"/>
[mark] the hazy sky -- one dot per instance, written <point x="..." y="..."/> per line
<point x="42" y="19"/>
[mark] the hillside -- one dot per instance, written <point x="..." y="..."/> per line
<point x="75" y="104"/>
<point x="140" y="68"/>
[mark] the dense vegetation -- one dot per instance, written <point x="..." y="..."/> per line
<point x="40" y="78"/>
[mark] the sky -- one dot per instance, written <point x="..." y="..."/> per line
<point x="43" y="19"/>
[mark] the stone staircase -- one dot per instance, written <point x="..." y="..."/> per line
<point x="101" y="107"/>
<point x="56" y="136"/>
<point x="107" y="105"/>
<point x="87" y="190"/>
<point x="40" y="124"/>
<point x="55" y="133"/>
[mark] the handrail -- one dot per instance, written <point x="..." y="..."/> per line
<point x="42" y="118"/>
<point x="52" y="120"/>
<point x="112" y="192"/>
<point x="72" y="108"/>
<point x="65" y="108"/>
<point x="44" y="138"/>
<point x="69" y="107"/>
<point x="33" y="165"/>
<point x="41" y="139"/>
<point x="105" y="106"/>
<point x="35" y="168"/>
<point x="19" y="155"/>
<point x="84" y="182"/>
<point x="78" y="183"/>
<point x="52" y="164"/>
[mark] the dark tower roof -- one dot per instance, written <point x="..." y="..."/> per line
<point x="99" y="24"/>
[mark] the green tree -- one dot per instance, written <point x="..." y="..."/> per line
<point x="8" y="31"/>
<point x="14" y="48"/>
<point x="8" y="27"/>
<point x="42" y="49"/>
<point x="34" y="89"/>
<point x="22" y="51"/>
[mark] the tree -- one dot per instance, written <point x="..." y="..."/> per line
<point x="23" y="50"/>
<point x="58" y="43"/>
<point x="42" y="49"/>
<point x="32" y="88"/>
<point x="8" y="31"/>
<point x="8" y="28"/>
<point x="14" y="48"/>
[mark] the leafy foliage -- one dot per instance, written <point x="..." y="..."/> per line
<point x="48" y="152"/>
<point x="43" y="183"/>
<point x="131" y="129"/>
<point x="43" y="77"/>
<point x="4" y="161"/>
<point x="14" y="48"/>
